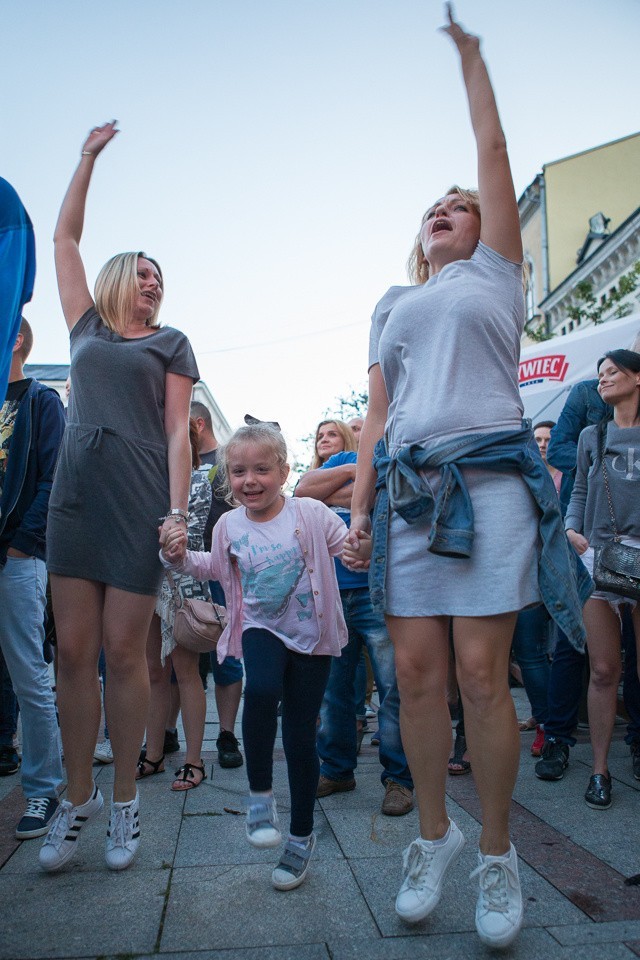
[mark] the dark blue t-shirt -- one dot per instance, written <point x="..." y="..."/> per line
<point x="347" y="579"/>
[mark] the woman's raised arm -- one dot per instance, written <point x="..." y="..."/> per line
<point x="72" y="281"/>
<point x="500" y="228"/>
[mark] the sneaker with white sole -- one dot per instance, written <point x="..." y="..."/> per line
<point x="123" y="835"/>
<point x="262" y="822"/>
<point x="293" y="865"/>
<point x="62" y="840"/>
<point x="499" y="911"/>
<point x="103" y="752"/>
<point x="425" y="864"/>
<point x="37" y="818"/>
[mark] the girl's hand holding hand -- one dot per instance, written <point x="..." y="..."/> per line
<point x="577" y="541"/>
<point x="356" y="551"/>
<point x="173" y="540"/>
<point x="99" y="138"/>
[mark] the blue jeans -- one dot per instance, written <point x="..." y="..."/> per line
<point x="631" y="681"/>
<point x="8" y="706"/>
<point x="530" y="643"/>
<point x="337" y="736"/>
<point x="22" y="602"/>
<point x="230" y="670"/>
<point x="274" y="674"/>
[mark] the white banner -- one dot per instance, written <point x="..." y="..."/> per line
<point x="548" y="370"/>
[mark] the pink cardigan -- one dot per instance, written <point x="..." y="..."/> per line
<point x="321" y="534"/>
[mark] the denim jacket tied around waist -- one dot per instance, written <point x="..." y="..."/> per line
<point x="564" y="582"/>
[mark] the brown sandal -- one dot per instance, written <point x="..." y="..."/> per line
<point x="155" y="765"/>
<point x="185" y="779"/>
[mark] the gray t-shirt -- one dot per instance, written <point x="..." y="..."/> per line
<point x="588" y="511"/>
<point x="449" y="350"/>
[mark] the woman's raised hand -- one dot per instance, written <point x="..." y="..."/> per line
<point x="462" y="39"/>
<point x="99" y="138"/>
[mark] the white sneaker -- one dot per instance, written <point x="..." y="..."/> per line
<point x="425" y="864"/>
<point x="103" y="752"/>
<point x="62" y="840"/>
<point x="499" y="910"/>
<point x="123" y="835"/>
<point x="262" y="822"/>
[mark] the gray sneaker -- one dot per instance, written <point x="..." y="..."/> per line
<point x="293" y="865"/>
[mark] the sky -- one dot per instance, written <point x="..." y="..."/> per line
<point x="276" y="157"/>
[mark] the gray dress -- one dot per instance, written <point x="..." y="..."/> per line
<point x="112" y="483"/>
<point x="448" y="352"/>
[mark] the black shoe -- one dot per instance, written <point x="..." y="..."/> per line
<point x="635" y="758"/>
<point x="553" y="761"/>
<point x="171" y="742"/>
<point x="37" y="818"/>
<point x="598" y="795"/>
<point x="9" y="761"/>
<point x="228" y="753"/>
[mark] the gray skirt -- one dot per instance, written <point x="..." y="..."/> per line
<point x="500" y="576"/>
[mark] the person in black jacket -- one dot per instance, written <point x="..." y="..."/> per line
<point x="31" y="427"/>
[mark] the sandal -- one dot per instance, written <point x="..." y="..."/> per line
<point x="155" y="765"/>
<point x="526" y="726"/>
<point x="185" y="777"/>
<point x="457" y="765"/>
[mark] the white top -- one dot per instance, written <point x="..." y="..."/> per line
<point x="276" y="587"/>
<point x="449" y="351"/>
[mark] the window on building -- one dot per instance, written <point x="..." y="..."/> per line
<point x="530" y="289"/>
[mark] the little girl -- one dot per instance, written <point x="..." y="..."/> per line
<point x="273" y="557"/>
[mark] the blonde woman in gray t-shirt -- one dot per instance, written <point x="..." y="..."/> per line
<point x="443" y="364"/>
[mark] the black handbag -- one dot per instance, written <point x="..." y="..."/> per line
<point x="616" y="566"/>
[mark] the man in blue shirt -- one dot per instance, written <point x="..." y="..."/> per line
<point x="337" y="736"/>
<point x="17" y="273"/>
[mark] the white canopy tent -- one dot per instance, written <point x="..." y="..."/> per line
<point x="548" y="370"/>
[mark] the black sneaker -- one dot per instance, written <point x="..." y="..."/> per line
<point x="598" y="795"/>
<point x="635" y="758"/>
<point x="37" y="817"/>
<point x="553" y="761"/>
<point x="228" y="753"/>
<point x="9" y="761"/>
<point x="171" y="742"/>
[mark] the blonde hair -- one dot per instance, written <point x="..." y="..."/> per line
<point x="260" y="434"/>
<point x="417" y="266"/>
<point x="117" y="287"/>
<point x="345" y="432"/>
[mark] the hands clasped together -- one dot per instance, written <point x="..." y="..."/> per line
<point x="356" y="550"/>
<point x="173" y="540"/>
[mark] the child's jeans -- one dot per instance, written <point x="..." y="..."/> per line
<point x="274" y="673"/>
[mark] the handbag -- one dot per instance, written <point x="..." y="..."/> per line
<point x="616" y="566"/>
<point x="198" y="624"/>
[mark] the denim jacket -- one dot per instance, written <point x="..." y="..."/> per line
<point x="31" y="463"/>
<point x="563" y="580"/>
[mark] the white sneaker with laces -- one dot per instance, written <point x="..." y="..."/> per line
<point x="262" y="822"/>
<point x="499" y="910"/>
<point x="123" y="835"/>
<point x="425" y="864"/>
<point x="62" y="840"/>
<point x="103" y="752"/>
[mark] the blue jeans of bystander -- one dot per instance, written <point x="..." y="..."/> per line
<point x="337" y="737"/>
<point x="22" y="602"/>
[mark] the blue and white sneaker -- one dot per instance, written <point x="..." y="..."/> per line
<point x="262" y="822"/>
<point x="37" y="818"/>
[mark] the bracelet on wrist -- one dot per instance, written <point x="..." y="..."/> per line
<point x="179" y="517"/>
<point x="87" y="153"/>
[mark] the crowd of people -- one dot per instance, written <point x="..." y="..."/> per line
<point x="428" y="537"/>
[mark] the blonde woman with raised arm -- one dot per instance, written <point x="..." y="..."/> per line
<point x="124" y="471"/>
<point x="465" y="487"/>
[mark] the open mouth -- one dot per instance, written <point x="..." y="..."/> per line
<point x="439" y="226"/>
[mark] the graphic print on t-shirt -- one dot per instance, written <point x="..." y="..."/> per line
<point x="270" y="574"/>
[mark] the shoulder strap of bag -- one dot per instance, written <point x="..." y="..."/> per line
<point x="602" y="434"/>
<point x="174" y="589"/>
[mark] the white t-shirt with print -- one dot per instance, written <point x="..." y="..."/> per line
<point x="276" y="588"/>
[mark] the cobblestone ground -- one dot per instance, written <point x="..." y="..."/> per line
<point x="198" y="890"/>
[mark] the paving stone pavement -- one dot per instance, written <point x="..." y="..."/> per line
<point x="198" y="891"/>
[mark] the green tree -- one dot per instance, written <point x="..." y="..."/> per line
<point x="587" y="307"/>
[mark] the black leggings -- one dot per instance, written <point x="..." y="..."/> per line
<point x="273" y="674"/>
